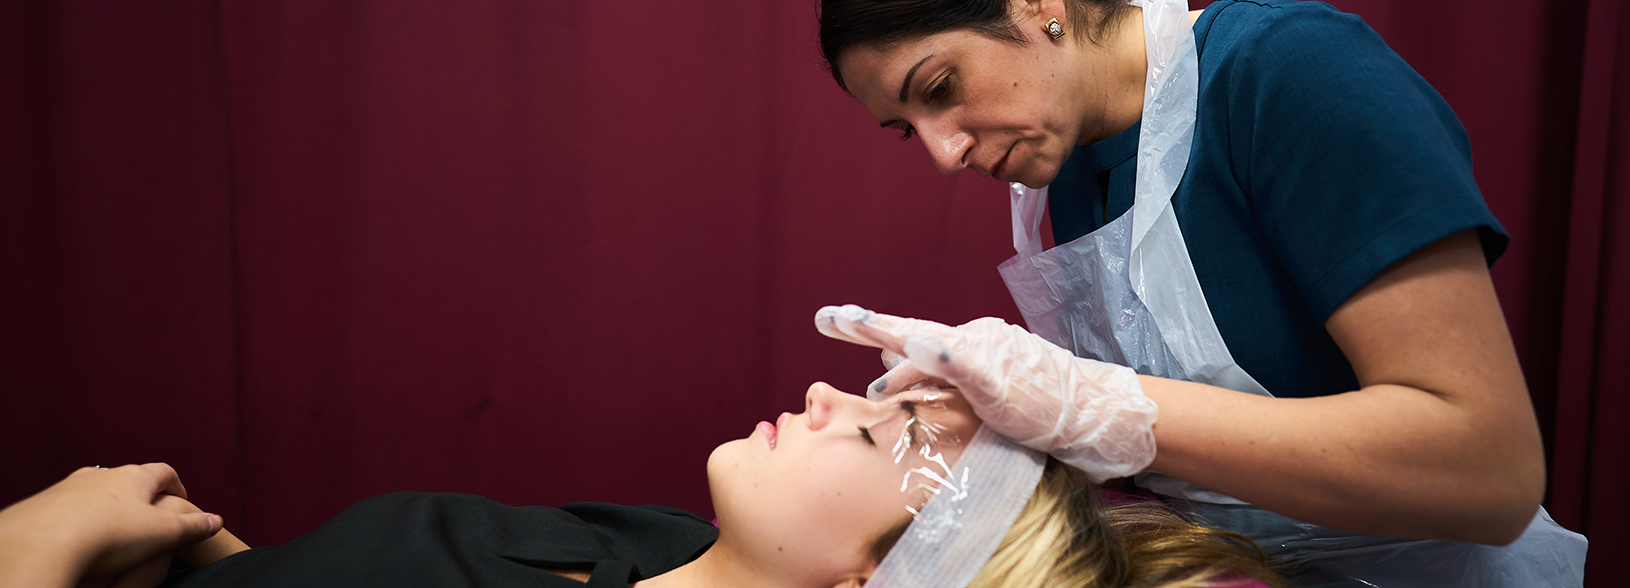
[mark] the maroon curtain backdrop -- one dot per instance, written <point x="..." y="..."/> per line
<point x="308" y="252"/>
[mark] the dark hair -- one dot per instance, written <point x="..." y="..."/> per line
<point x="846" y="23"/>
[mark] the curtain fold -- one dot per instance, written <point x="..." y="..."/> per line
<point x="1588" y="459"/>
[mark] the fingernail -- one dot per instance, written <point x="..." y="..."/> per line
<point x="879" y="384"/>
<point x="215" y="522"/>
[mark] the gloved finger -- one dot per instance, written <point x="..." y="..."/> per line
<point x="899" y="328"/>
<point x="864" y="327"/>
<point x="886" y="331"/>
<point x="846" y="323"/>
<point x="826" y="320"/>
<point x="892" y="360"/>
<point x="933" y="358"/>
<point x="856" y="325"/>
<point x="981" y="385"/>
<point x="904" y="375"/>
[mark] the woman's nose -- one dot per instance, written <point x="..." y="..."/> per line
<point x="947" y="147"/>
<point x="818" y="404"/>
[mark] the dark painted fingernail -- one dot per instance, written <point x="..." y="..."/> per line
<point x="945" y="356"/>
<point x="879" y="384"/>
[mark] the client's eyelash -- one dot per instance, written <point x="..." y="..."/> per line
<point x="910" y="409"/>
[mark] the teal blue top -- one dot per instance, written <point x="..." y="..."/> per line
<point x="1320" y="158"/>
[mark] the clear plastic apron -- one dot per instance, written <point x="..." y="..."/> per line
<point x="1127" y="294"/>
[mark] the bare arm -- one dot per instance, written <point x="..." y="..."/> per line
<point x="96" y="525"/>
<point x="1440" y="441"/>
<point x="208" y="551"/>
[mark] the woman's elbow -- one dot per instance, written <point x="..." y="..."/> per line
<point x="1508" y="506"/>
<point x="1502" y="529"/>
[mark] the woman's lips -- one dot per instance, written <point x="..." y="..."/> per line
<point x="772" y="432"/>
<point x="769" y="432"/>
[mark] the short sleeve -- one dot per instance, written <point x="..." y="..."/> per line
<point x="1351" y="160"/>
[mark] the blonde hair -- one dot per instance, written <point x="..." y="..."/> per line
<point x="1065" y="538"/>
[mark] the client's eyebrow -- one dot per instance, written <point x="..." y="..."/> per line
<point x="906" y="84"/>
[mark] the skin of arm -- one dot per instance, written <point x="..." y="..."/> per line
<point x="223" y="543"/>
<point x="1439" y="442"/>
<point x="96" y="526"/>
<point x="38" y="559"/>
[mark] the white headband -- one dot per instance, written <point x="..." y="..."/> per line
<point x="957" y="531"/>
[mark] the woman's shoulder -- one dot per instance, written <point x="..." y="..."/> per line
<point x="1279" y="28"/>
<point x="1277" y="60"/>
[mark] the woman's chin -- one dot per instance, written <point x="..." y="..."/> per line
<point x="724" y="465"/>
<point x="1040" y="174"/>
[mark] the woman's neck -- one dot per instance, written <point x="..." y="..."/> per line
<point x="718" y="567"/>
<point x="1130" y="66"/>
<point x="1128" y="74"/>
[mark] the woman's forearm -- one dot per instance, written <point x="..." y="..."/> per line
<point x="1387" y="459"/>
<point x="28" y="558"/>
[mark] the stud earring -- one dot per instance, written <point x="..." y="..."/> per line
<point x="1053" y="28"/>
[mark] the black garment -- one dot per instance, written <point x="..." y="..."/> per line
<point x="442" y="540"/>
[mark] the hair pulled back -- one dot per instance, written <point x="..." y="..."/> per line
<point x="849" y="23"/>
<point x="1064" y="537"/>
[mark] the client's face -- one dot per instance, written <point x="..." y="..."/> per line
<point x="810" y="494"/>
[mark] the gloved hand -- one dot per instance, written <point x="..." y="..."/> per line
<point x="1089" y="414"/>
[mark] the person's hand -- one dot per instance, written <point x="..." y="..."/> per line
<point x="217" y="547"/>
<point x="151" y="573"/>
<point x="95" y="525"/>
<point x="1089" y="414"/>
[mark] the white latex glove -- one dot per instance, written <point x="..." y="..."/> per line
<point x="1089" y="414"/>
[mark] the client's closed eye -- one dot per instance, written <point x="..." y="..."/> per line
<point x="910" y="409"/>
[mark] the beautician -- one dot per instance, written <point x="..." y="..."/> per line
<point x="1269" y="216"/>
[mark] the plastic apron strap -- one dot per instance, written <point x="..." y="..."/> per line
<point x="1161" y="272"/>
<point x="1027" y="204"/>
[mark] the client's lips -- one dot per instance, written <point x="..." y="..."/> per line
<point x="771" y="431"/>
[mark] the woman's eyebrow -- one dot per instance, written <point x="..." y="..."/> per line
<point x="908" y="407"/>
<point x="906" y="84"/>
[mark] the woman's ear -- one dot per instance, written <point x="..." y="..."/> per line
<point x="1028" y="9"/>
<point x="1041" y="10"/>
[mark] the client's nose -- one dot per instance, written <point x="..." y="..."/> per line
<point x="818" y="404"/>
